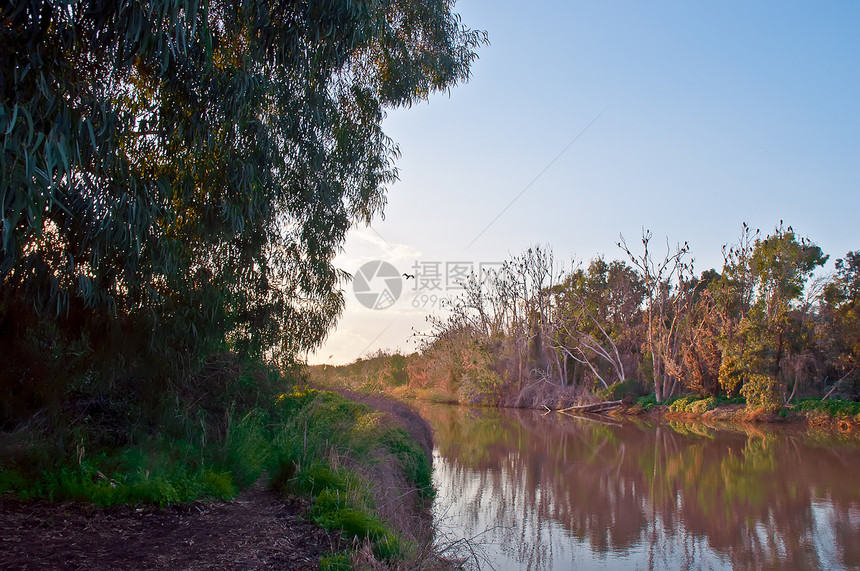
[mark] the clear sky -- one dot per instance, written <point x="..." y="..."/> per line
<point x="686" y="118"/>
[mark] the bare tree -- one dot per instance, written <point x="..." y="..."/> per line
<point x="664" y="281"/>
<point x="581" y="336"/>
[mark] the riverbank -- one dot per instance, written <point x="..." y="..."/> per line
<point x="317" y="480"/>
<point x="836" y="415"/>
<point x="387" y="375"/>
<point x="833" y="414"/>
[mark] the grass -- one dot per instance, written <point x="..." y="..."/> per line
<point x="340" y="561"/>
<point x="312" y="443"/>
<point x="834" y="408"/>
<point x="133" y="476"/>
<point x="322" y="452"/>
<point x="831" y="412"/>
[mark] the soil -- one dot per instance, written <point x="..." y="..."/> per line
<point x="257" y="530"/>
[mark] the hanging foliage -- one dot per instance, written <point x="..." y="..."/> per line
<point x="178" y="172"/>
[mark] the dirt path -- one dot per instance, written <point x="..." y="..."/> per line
<point x="257" y="530"/>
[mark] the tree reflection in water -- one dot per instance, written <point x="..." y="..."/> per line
<point x="554" y="492"/>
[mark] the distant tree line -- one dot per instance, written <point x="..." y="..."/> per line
<point x="765" y="326"/>
<point x="379" y="372"/>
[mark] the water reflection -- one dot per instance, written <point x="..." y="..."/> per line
<point x="554" y="492"/>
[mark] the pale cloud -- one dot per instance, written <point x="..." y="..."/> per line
<point x="361" y="331"/>
<point x="364" y="244"/>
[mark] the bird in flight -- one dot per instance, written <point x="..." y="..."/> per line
<point x="408" y="276"/>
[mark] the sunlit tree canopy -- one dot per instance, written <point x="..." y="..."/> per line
<point x="178" y="171"/>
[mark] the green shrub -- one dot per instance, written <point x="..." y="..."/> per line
<point x="693" y="403"/>
<point x="760" y="392"/>
<point x="618" y="391"/>
<point x="680" y="404"/>
<point x="647" y="402"/>
<point x="702" y="405"/>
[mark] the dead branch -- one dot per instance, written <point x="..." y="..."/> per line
<point x="595" y="408"/>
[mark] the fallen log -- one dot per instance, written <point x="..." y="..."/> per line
<point x="596" y="407"/>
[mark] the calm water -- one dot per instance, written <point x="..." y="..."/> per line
<point x="555" y="492"/>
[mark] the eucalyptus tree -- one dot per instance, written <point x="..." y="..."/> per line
<point x="772" y="331"/>
<point x="732" y="296"/>
<point x="840" y="327"/>
<point x="175" y="172"/>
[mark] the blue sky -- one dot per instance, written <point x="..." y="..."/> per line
<point x="702" y="115"/>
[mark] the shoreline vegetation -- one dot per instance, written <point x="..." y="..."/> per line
<point x="355" y="466"/>
<point x="386" y="374"/>
<point x="833" y="415"/>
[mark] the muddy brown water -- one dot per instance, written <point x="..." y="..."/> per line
<point x="534" y="491"/>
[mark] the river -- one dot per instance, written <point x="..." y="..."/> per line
<point x="534" y="491"/>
